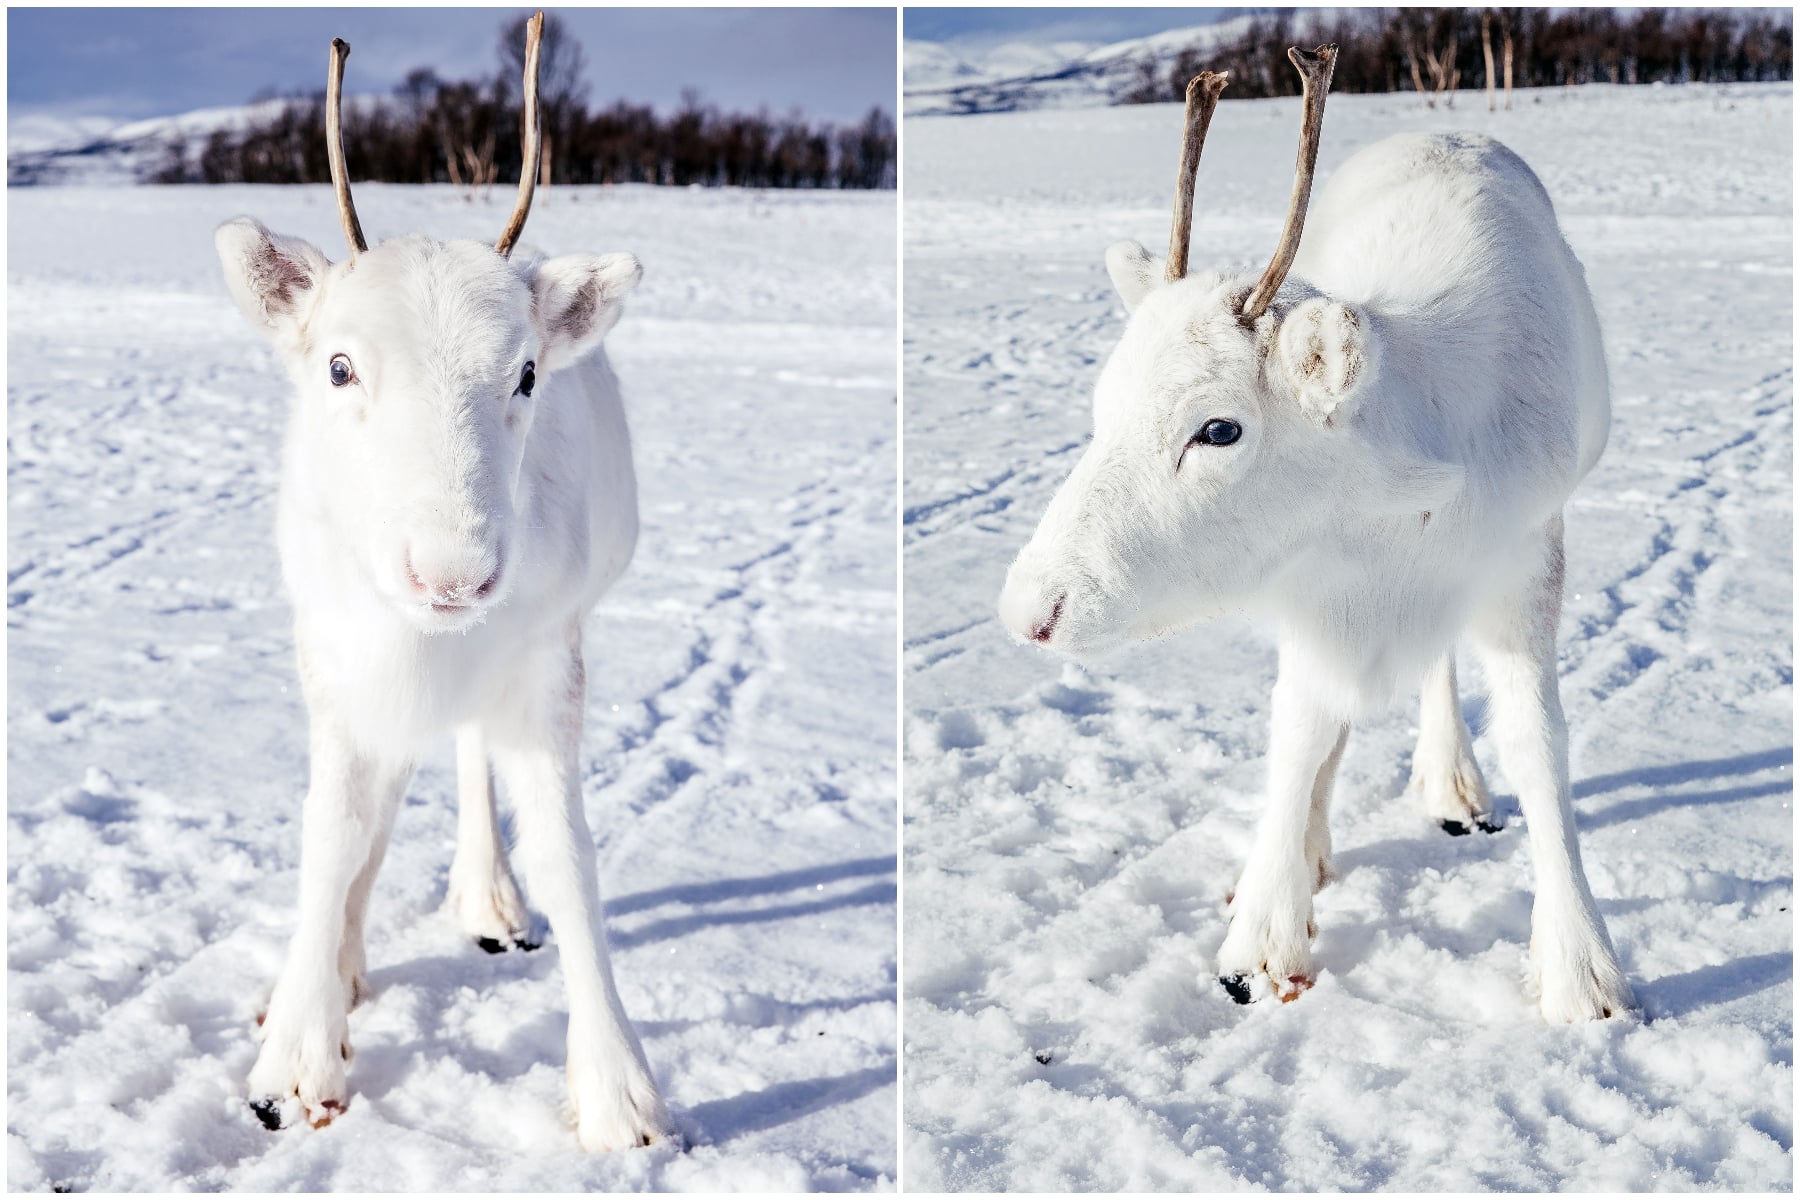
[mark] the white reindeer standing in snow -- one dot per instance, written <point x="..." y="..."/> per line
<point x="1374" y="461"/>
<point x="456" y="493"/>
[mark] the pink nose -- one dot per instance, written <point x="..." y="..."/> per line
<point x="450" y="584"/>
<point x="1030" y="609"/>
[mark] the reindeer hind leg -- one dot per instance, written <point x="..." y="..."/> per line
<point x="1444" y="772"/>
<point x="483" y="893"/>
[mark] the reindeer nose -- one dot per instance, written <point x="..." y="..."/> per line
<point x="451" y="581"/>
<point x="1030" y="607"/>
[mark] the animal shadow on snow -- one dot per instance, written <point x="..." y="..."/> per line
<point x="720" y="1121"/>
<point x="716" y="1122"/>
<point x="383" y="1065"/>
<point x="722" y="891"/>
<point x="1691" y="991"/>
<point x="1660" y="778"/>
<point x="1679" y="995"/>
<point x="1508" y="917"/>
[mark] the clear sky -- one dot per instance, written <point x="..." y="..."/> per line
<point x="1056" y="24"/>
<point x="142" y="62"/>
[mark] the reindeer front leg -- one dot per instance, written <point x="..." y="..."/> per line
<point x="535" y="748"/>
<point x="1271" y="928"/>
<point x="349" y="808"/>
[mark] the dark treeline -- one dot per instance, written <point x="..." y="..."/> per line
<point x="1434" y="50"/>
<point x="468" y="134"/>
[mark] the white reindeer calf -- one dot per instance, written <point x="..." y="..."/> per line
<point x="456" y="493"/>
<point x="1374" y="462"/>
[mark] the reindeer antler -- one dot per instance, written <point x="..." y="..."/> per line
<point x="1315" y="76"/>
<point x="528" y="171"/>
<point x="334" y="148"/>
<point x="1202" y="97"/>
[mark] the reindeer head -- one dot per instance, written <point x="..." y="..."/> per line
<point x="418" y="366"/>
<point x="1228" y="432"/>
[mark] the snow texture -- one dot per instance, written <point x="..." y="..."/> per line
<point x="739" y="755"/>
<point x="1071" y="833"/>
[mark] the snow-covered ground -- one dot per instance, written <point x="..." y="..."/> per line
<point x="739" y="753"/>
<point x="1070" y="834"/>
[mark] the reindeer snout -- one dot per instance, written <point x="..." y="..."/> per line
<point x="1030" y="608"/>
<point x="450" y="577"/>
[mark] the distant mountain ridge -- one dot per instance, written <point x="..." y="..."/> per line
<point x="947" y="78"/>
<point x="102" y="151"/>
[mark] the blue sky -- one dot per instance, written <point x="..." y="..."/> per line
<point x="1055" y="24"/>
<point x="142" y="62"/>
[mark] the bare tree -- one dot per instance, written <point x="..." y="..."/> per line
<point x="1428" y="36"/>
<point x="1506" y="49"/>
<point x="465" y="122"/>
<point x="418" y="96"/>
<point x="480" y="165"/>
<point x="1487" y="52"/>
<point x="419" y="90"/>
<point x="562" y="93"/>
<point x="561" y="60"/>
<point x="1412" y="63"/>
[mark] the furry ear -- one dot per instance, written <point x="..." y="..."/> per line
<point x="578" y="299"/>
<point x="1134" y="272"/>
<point x="1326" y="353"/>
<point x="273" y="278"/>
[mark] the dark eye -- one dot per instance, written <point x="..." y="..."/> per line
<point x="528" y="378"/>
<point x="1218" y="433"/>
<point x="341" y="370"/>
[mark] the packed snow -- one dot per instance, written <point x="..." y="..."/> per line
<point x="738" y="759"/>
<point x="1071" y="832"/>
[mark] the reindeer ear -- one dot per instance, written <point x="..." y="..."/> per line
<point x="272" y="278"/>
<point x="1325" y="351"/>
<point x="1134" y="272"/>
<point x="578" y="299"/>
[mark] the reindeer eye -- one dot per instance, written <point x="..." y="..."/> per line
<point x="341" y="370"/>
<point x="1218" y="433"/>
<point x="528" y="378"/>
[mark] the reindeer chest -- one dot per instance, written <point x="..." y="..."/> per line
<point x="385" y="681"/>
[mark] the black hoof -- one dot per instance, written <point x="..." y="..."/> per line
<point x="1237" y="987"/>
<point x="1488" y="826"/>
<point x="1454" y="828"/>
<point x="526" y="946"/>
<point x="491" y="945"/>
<point x="268" y="1111"/>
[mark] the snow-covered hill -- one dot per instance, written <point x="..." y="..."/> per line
<point x="1071" y="834"/>
<point x="959" y="77"/>
<point x="738" y="758"/>
<point x="95" y="151"/>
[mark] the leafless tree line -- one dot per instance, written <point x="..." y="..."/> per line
<point x="467" y="134"/>
<point x="1436" y="50"/>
